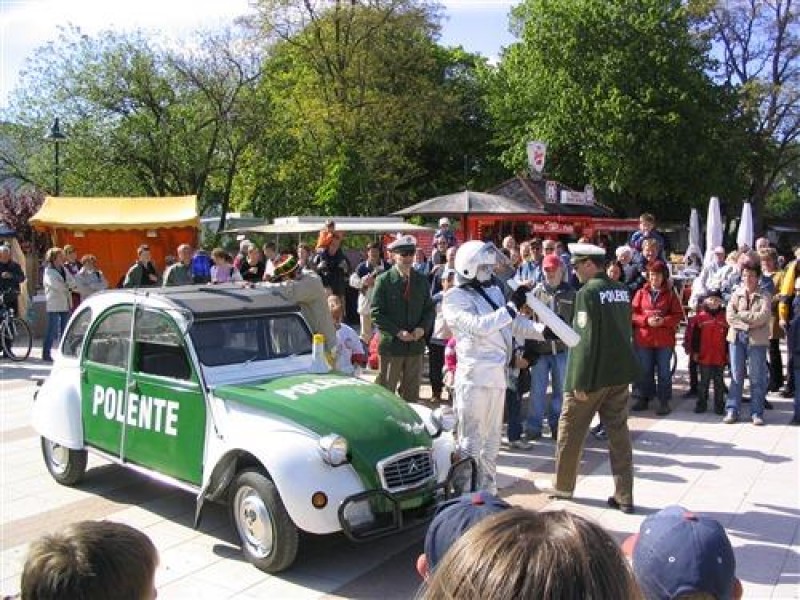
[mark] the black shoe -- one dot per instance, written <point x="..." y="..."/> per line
<point x="719" y="408"/>
<point x="626" y="508"/>
<point x="768" y="405"/>
<point x="788" y="392"/>
<point x="700" y="408"/>
<point x="795" y="420"/>
<point x="47" y="359"/>
<point x="554" y="434"/>
<point x="690" y="393"/>
<point x="663" y="409"/>
<point x="640" y="404"/>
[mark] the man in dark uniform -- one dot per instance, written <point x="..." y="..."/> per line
<point x="599" y="370"/>
<point x="403" y="310"/>
<point x="11" y="278"/>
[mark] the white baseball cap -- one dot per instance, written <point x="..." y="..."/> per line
<point x="444" y="221"/>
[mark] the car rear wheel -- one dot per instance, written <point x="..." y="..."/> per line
<point x="67" y="466"/>
<point x="269" y="537"/>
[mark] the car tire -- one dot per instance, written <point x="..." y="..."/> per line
<point x="268" y="535"/>
<point x="66" y="466"/>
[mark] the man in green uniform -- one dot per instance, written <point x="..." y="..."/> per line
<point x="403" y="310"/>
<point x="599" y="370"/>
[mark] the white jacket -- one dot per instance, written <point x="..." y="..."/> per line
<point x="57" y="289"/>
<point x="484" y="335"/>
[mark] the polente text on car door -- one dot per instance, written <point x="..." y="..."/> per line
<point x="103" y="379"/>
<point x="167" y="415"/>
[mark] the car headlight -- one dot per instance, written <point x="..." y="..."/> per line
<point x="333" y="449"/>
<point x="444" y="418"/>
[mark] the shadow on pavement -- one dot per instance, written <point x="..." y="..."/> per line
<point x="660" y="442"/>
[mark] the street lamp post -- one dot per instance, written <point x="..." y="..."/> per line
<point x="56" y="136"/>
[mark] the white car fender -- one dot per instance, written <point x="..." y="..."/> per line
<point x="294" y="463"/>
<point x="444" y="443"/>
<point x="56" y="413"/>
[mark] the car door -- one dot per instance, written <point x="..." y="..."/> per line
<point x="103" y="377"/>
<point x="166" y="420"/>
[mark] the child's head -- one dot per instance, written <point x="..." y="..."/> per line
<point x="647" y="222"/>
<point x="448" y="278"/>
<point x="679" y="554"/>
<point x="713" y="300"/>
<point x="518" y="553"/>
<point x="91" y="560"/>
<point x="336" y="309"/>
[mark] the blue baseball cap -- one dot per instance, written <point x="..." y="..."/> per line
<point x="452" y="520"/>
<point x="678" y="552"/>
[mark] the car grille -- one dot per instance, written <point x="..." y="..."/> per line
<point x="406" y="470"/>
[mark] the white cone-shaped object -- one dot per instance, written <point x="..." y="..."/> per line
<point x="744" y="236"/>
<point x="713" y="229"/>
<point x="318" y="362"/>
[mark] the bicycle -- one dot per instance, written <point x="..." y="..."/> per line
<point x="16" y="338"/>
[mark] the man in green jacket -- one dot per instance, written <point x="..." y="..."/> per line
<point x="599" y="370"/>
<point x="403" y="311"/>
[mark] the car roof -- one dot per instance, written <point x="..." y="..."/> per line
<point x="206" y="301"/>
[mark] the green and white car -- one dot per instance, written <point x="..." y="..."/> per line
<point x="209" y="389"/>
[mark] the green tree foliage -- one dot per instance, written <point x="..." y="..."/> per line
<point x="618" y="89"/>
<point x="359" y="91"/>
<point x="141" y="119"/>
<point x="759" y="42"/>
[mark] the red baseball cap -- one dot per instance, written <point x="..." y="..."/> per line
<point x="551" y="262"/>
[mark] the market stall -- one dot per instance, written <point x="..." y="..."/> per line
<point x="112" y="228"/>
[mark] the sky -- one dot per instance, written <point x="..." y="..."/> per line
<point x="478" y="25"/>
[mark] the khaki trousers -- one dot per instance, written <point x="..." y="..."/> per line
<point x="576" y="416"/>
<point x="366" y="327"/>
<point x="401" y="375"/>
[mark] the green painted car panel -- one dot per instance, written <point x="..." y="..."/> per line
<point x="376" y="423"/>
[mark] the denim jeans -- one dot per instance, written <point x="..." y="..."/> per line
<point x="655" y="362"/>
<point x="796" y="394"/>
<point x="751" y="360"/>
<point x="56" y="324"/>
<point x="548" y="369"/>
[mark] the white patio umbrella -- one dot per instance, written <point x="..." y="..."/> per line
<point x="713" y="229"/>
<point x="695" y="243"/>
<point x="744" y="236"/>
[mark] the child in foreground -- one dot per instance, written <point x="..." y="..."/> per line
<point x="91" y="560"/>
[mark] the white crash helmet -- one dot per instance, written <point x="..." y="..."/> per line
<point x="473" y="255"/>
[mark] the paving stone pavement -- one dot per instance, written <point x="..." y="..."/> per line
<point x="747" y="477"/>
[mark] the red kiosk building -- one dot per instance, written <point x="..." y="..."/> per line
<point x="526" y="208"/>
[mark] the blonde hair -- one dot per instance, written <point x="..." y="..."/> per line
<point x="519" y="553"/>
<point x="52" y="254"/>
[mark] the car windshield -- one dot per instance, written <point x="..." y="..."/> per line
<point x="241" y="340"/>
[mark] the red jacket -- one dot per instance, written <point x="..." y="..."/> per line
<point x="666" y="305"/>
<point x="708" y="339"/>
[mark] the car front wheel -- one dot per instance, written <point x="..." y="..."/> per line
<point x="269" y="537"/>
<point x="67" y="466"/>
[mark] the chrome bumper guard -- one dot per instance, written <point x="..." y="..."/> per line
<point x="395" y="519"/>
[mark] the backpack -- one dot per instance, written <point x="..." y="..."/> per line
<point x="201" y="267"/>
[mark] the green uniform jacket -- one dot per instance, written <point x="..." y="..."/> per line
<point x="392" y="313"/>
<point x="604" y="355"/>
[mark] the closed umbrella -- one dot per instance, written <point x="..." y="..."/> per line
<point x="713" y="229"/>
<point x="744" y="237"/>
<point x="695" y="242"/>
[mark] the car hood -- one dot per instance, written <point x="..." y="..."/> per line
<point x="375" y="422"/>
